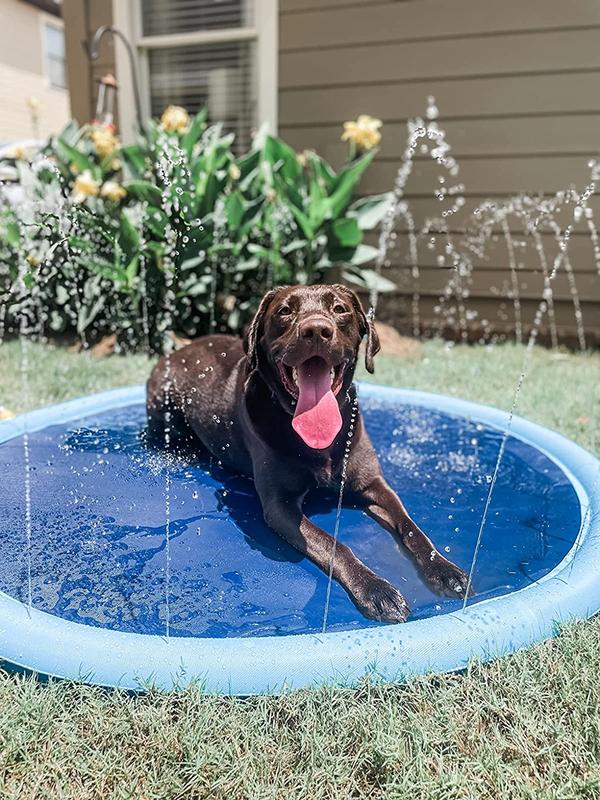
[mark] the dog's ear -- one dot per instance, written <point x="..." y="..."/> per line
<point x="254" y="330"/>
<point x="367" y="327"/>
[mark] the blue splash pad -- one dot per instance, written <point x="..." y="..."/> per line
<point x="245" y="609"/>
<point x="98" y="524"/>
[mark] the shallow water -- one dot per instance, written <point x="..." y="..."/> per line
<point x="98" y="526"/>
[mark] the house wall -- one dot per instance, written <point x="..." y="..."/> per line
<point x="22" y="75"/>
<point x="20" y="44"/>
<point x="516" y="85"/>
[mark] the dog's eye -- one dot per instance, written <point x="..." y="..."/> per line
<point x="284" y="311"/>
<point x="340" y="309"/>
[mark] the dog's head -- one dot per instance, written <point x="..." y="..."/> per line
<point x="304" y="341"/>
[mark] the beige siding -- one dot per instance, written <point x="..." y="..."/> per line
<point x="516" y="86"/>
<point x="20" y="40"/>
<point x="22" y="75"/>
<point x="16" y="85"/>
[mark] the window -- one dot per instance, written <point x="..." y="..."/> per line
<point x="218" y="76"/>
<point x="221" y="54"/>
<point x="183" y="16"/>
<point x="54" y="50"/>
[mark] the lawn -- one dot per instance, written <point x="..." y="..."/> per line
<point x="523" y="726"/>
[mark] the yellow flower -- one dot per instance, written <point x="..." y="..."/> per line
<point x="229" y="303"/>
<point x="5" y="413"/>
<point x="74" y="169"/>
<point x="84" y="186"/>
<point x="304" y="158"/>
<point x="234" y="172"/>
<point x="17" y="152"/>
<point x="174" y="119"/>
<point x="33" y="104"/>
<point x="32" y="260"/>
<point x="364" y="133"/>
<point x="105" y="141"/>
<point x="112" y="190"/>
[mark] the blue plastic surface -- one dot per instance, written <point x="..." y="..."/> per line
<point x="245" y="609"/>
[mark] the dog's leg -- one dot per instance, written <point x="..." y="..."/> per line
<point x="375" y="597"/>
<point x="384" y="505"/>
<point x="170" y="429"/>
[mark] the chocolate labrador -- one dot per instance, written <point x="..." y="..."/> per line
<point x="280" y="407"/>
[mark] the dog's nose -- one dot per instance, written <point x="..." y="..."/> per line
<point x="316" y="328"/>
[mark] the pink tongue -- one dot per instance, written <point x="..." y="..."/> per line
<point x="317" y="419"/>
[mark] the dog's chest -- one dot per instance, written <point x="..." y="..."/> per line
<point x="325" y="474"/>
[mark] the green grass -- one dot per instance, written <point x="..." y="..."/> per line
<point x="523" y="726"/>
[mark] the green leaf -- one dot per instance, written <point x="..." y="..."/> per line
<point x="248" y="163"/>
<point x="319" y="205"/>
<point x="133" y="158"/>
<point x="289" y="193"/>
<point x="321" y="169"/>
<point x="235" y="207"/>
<point x="208" y="191"/>
<point x="196" y="285"/>
<point x="79" y="243"/>
<point x="281" y="157"/>
<point x="345" y="182"/>
<point x="247" y="264"/>
<point x="129" y="237"/>
<point x="157" y="221"/>
<point x="71" y="132"/>
<point x="368" y="279"/>
<point x="233" y="320"/>
<point x="370" y="211"/>
<point x="72" y="155"/>
<point x="252" y="214"/>
<point x="106" y="269"/>
<point x="258" y="140"/>
<point x="12" y="234"/>
<point x="295" y="244"/>
<point x="87" y="315"/>
<point x="303" y="222"/>
<point x="144" y="190"/>
<point x="347" y="232"/>
<point x="265" y="253"/>
<point x="131" y="270"/>
<point x="191" y="263"/>
<point x="194" y="131"/>
<point x="363" y="254"/>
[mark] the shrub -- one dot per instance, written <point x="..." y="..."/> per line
<point x="175" y="231"/>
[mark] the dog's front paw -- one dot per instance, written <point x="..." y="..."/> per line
<point x="446" y="578"/>
<point x="377" y="599"/>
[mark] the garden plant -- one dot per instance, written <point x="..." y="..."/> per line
<point x="176" y="230"/>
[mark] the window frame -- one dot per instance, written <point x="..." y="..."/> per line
<point x="48" y="21"/>
<point x="265" y="32"/>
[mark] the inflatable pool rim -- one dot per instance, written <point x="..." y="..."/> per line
<point x="50" y="646"/>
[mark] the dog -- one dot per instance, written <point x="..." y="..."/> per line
<point x="281" y="407"/>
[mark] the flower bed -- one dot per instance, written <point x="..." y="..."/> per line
<point x="176" y="231"/>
